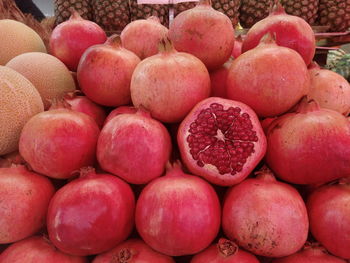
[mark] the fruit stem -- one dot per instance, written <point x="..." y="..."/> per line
<point x="86" y="171"/>
<point x="306" y="106"/>
<point x="173" y="169"/>
<point x="114" y="41"/>
<point x="265" y="174"/>
<point x="277" y="8"/>
<point x="165" y="45"/>
<point x="74" y="14"/>
<point x="59" y="104"/>
<point x="227" y="247"/>
<point x="204" y="2"/>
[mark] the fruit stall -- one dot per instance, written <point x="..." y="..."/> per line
<point x="157" y="131"/>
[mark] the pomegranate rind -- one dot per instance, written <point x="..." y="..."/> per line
<point x="208" y="171"/>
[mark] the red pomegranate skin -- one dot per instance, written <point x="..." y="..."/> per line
<point x="71" y="38"/>
<point x="237" y="48"/>
<point x="178" y="214"/>
<point x="143" y="36"/>
<point x="218" y="79"/>
<point x="120" y="110"/>
<point x="169" y="84"/>
<point x="25" y="198"/>
<point x="204" y="32"/>
<point x="290" y="31"/>
<point x="104" y="73"/>
<point x="85" y="105"/>
<point x="329" y="212"/>
<point x="309" y="146"/>
<point x="58" y="142"/>
<point x="134" y="146"/>
<point x="133" y="251"/>
<point x="271" y="79"/>
<point x="265" y="217"/>
<point x="221" y="140"/>
<point x="310" y="255"/>
<point x="329" y="89"/>
<point x="91" y="215"/>
<point x="37" y="249"/>
<point x="225" y="251"/>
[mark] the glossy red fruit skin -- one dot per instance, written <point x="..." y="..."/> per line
<point x="178" y="214"/>
<point x="291" y="31"/>
<point x="204" y="32"/>
<point x="271" y="79"/>
<point x="132" y="251"/>
<point x="104" y="73"/>
<point x="329" y="212"/>
<point x="91" y="215"/>
<point x="310" y="255"/>
<point x="85" y="105"/>
<point x="208" y="171"/>
<point x="25" y="198"/>
<point x="225" y="251"/>
<point x="135" y="147"/>
<point x="237" y="48"/>
<point x="218" y="79"/>
<point x="329" y="89"/>
<point x="71" y="38"/>
<point x="265" y="217"/>
<point x="162" y="83"/>
<point x="143" y="36"/>
<point x="58" y="142"/>
<point x="309" y="146"/>
<point x="37" y="249"/>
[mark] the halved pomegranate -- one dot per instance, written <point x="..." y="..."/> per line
<point x="221" y="140"/>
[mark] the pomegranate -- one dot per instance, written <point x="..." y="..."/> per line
<point x="218" y="80"/>
<point x="169" y="84"/>
<point x="143" y="36"/>
<point x="58" y="142"/>
<point x="329" y="89"/>
<point x="225" y="251"/>
<point x="37" y="249"/>
<point x="104" y="72"/>
<point x="204" y="32"/>
<point x="269" y="78"/>
<point x="71" y="38"/>
<point x="309" y="146"/>
<point x="178" y="214"/>
<point x="132" y="251"/>
<point x="291" y="31"/>
<point x="134" y="146"/>
<point x="9" y="159"/>
<point x="25" y="197"/>
<point x="221" y="140"/>
<point x="266" y="217"/>
<point x="329" y="213"/>
<point x="91" y="214"/>
<point x="85" y="105"/>
<point x="120" y="110"/>
<point x="310" y="254"/>
<point x="237" y="48"/>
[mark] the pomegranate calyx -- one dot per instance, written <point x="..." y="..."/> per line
<point x="142" y="111"/>
<point x="265" y="174"/>
<point x="277" y="8"/>
<point x="154" y="19"/>
<point x="307" y="105"/>
<point x="268" y="38"/>
<point x="316" y="247"/>
<point x="165" y="46"/>
<point x="73" y="94"/>
<point x="124" y="256"/>
<point x="204" y="3"/>
<point x="174" y="169"/>
<point x="227" y="247"/>
<point x="59" y="104"/>
<point x="74" y="14"/>
<point x="114" y="41"/>
<point x="86" y="171"/>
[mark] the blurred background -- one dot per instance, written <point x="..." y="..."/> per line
<point x="46" y="6"/>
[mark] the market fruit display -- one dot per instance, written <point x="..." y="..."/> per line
<point x="12" y="44"/>
<point x="128" y="149"/>
<point x="47" y="73"/>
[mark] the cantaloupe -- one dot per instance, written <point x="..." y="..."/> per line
<point x="17" y="38"/>
<point x="19" y="101"/>
<point x="47" y="73"/>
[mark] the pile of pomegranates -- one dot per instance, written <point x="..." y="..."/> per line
<point x="171" y="151"/>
